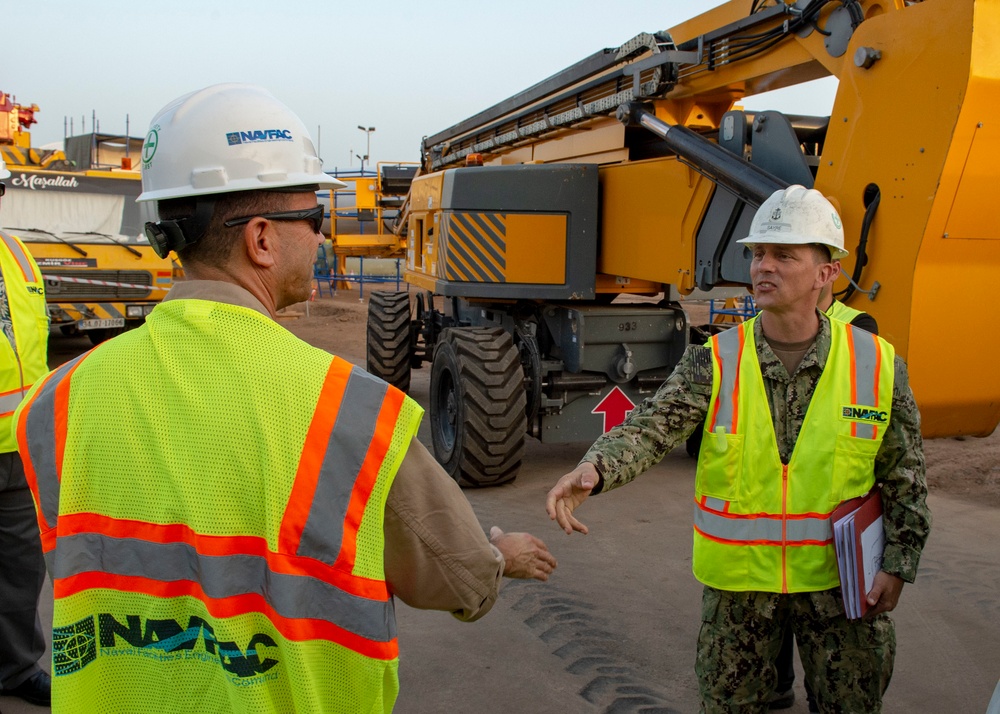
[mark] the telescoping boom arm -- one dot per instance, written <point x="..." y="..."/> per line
<point x="681" y="167"/>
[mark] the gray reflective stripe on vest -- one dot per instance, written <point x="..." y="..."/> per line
<point x="9" y="402"/>
<point x="757" y="529"/>
<point x="716" y="504"/>
<point x="20" y="256"/>
<point x="729" y="352"/>
<point x="41" y="432"/>
<point x="50" y="560"/>
<point x="292" y="596"/>
<point x="865" y="368"/>
<point x="345" y="452"/>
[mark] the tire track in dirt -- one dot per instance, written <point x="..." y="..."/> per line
<point x="590" y="649"/>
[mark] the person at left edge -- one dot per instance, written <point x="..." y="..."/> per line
<point x="226" y="511"/>
<point x="25" y="326"/>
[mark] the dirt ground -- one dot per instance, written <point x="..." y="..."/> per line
<point x="965" y="467"/>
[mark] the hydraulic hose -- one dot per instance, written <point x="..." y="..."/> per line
<point x="862" y="254"/>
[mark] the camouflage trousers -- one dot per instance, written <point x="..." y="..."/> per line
<point x="848" y="663"/>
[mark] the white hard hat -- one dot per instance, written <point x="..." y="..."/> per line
<point x="227" y="138"/>
<point x="4" y="173"/>
<point x="798" y="216"/>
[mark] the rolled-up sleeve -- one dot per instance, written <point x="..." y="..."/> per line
<point x="437" y="556"/>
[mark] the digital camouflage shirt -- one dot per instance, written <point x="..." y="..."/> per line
<point x="668" y="418"/>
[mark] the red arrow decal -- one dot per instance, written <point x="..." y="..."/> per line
<point x="615" y="407"/>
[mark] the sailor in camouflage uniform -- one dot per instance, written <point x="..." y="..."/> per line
<point x="763" y="495"/>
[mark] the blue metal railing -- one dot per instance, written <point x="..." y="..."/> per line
<point x="743" y="309"/>
<point x="324" y="274"/>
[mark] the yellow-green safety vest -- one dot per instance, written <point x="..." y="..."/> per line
<point x="761" y="525"/>
<point x="22" y="356"/>
<point x="211" y="493"/>
<point x="840" y="311"/>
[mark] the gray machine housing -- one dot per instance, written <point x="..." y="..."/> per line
<point x="567" y="189"/>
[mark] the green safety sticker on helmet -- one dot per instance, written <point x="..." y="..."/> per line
<point x="149" y="146"/>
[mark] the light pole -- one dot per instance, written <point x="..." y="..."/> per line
<point x="368" y="145"/>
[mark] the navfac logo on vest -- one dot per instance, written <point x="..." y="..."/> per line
<point x="256" y="136"/>
<point x="869" y="415"/>
<point x="77" y="645"/>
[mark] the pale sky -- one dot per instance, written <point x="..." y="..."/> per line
<point x="409" y="69"/>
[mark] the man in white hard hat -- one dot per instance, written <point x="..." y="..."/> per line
<point x="784" y="694"/>
<point x="783" y="445"/>
<point x="25" y="325"/>
<point x="226" y="511"/>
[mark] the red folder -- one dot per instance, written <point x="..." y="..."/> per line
<point x="859" y="540"/>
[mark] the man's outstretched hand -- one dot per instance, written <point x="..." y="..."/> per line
<point x="568" y="493"/>
<point x="525" y="556"/>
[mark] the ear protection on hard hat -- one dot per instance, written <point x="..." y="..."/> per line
<point x="178" y="233"/>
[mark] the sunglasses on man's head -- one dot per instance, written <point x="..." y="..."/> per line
<point x="314" y="214"/>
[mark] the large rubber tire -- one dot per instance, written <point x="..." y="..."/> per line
<point x="389" y="345"/>
<point x="477" y="406"/>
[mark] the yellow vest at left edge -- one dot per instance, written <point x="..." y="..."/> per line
<point x="23" y="358"/>
<point x="762" y="525"/>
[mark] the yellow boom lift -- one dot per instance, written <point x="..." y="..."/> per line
<point x="361" y="218"/>
<point x="635" y="170"/>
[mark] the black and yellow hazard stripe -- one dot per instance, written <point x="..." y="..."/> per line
<point x="475" y="247"/>
<point x="14" y="157"/>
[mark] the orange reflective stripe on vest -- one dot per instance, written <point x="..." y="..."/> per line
<point x="866" y="356"/>
<point x="169" y="561"/>
<point x="23" y="260"/>
<point x="725" y="411"/>
<point x="37" y="427"/>
<point x="319" y="501"/>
